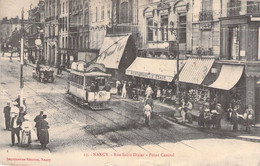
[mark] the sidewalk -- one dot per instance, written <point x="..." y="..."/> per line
<point x="170" y="113"/>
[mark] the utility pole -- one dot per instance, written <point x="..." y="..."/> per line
<point x="178" y="64"/>
<point x="21" y="65"/>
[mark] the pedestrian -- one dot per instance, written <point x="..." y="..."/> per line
<point x="182" y="109"/>
<point x="207" y="117"/>
<point x="6" y="111"/>
<point x="158" y="93"/>
<point x="201" y="117"/>
<point x="16" y="127"/>
<point x="249" y="117"/>
<point x="18" y="101"/>
<point x="44" y="133"/>
<point x="148" y="91"/>
<point x="37" y="120"/>
<point x="118" y="84"/>
<point x="26" y="130"/>
<point x="219" y="115"/>
<point x="188" y="116"/>
<point x="150" y="102"/>
<point x="234" y="118"/>
<point x="229" y="111"/>
<point x="124" y="90"/>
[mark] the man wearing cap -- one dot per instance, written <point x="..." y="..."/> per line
<point x="6" y="111"/>
<point x="37" y="120"/>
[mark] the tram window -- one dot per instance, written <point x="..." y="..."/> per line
<point x="88" y="81"/>
<point x="101" y="81"/>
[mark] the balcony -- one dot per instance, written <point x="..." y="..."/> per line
<point x="233" y="8"/>
<point x="206" y="15"/>
<point x="253" y="7"/>
<point x="122" y="29"/>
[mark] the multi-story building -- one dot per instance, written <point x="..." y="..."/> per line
<point x="240" y="37"/>
<point x="117" y="20"/>
<point x="34" y="28"/>
<point x="64" y="32"/>
<point x="51" y="45"/>
<point x="7" y="27"/>
<point x="79" y="48"/>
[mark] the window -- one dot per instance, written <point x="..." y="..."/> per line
<point x="96" y="14"/>
<point x="164" y="28"/>
<point x="182" y="29"/>
<point x="206" y="5"/>
<point x="234" y="42"/>
<point x="62" y="42"/>
<point x="149" y="29"/>
<point x="66" y="42"/>
<point x="123" y="14"/>
<point x="63" y="7"/>
<point x="108" y="11"/>
<point x="102" y="13"/>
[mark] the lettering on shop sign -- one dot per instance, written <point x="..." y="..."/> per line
<point x="150" y="76"/>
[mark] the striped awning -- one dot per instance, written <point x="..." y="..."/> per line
<point x="195" y="70"/>
<point x="228" y="77"/>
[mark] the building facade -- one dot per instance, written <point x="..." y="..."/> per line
<point x="51" y="27"/>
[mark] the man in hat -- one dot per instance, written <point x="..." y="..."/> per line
<point x="16" y="127"/>
<point x="37" y="120"/>
<point x="44" y="133"/>
<point x="6" y="111"/>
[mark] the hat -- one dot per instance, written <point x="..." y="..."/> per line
<point x="8" y="103"/>
<point x="207" y="110"/>
<point x="219" y="104"/>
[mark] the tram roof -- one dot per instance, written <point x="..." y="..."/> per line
<point x="91" y="74"/>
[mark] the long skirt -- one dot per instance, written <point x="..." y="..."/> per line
<point x="44" y="137"/>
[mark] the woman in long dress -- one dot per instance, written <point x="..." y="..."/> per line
<point x="44" y="133"/>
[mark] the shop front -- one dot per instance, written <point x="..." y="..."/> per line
<point x="229" y="87"/>
<point x="117" y="53"/>
<point x="158" y="73"/>
<point x="196" y="74"/>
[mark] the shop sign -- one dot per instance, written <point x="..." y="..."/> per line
<point x="98" y="96"/>
<point x="149" y="76"/>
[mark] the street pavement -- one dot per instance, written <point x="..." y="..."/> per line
<point x="79" y="134"/>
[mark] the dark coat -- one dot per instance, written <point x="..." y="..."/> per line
<point x="37" y="120"/>
<point x="7" y="110"/>
<point x="44" y="133"/>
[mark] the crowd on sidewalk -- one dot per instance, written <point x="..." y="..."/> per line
<point x="210" y="115"/>
<point x="19" y="122"/>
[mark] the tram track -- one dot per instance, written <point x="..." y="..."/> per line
<point x="47" y="98"/>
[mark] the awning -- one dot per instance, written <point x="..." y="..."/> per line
<point x="157" y="69"/>
<point x="228" y="77"/>
<point x="195" y="70"/>
<point x="112" y="50"/>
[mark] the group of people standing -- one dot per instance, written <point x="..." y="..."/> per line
<point x="208" y="117"/>
<point x="18" y="121"/>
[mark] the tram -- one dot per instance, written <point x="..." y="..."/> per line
<point x="86" y="85"/>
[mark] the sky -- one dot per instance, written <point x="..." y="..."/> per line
<point x="13" y="8"/>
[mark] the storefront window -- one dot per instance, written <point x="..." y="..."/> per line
<point x="234" y="41"/>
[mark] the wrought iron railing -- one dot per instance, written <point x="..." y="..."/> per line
<point x="253" y="7"/>
<point x="205" y="15"/>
